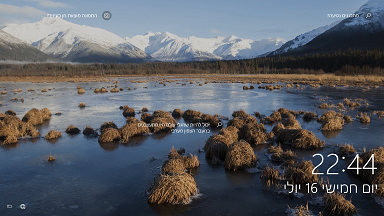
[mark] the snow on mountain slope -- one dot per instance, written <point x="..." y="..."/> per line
<point x="303" y="39"/>
<point x="12" y="48"/>
<point x="169" y="47"/>
<point x="59" y="38"/>
<point x="374" y="6"/>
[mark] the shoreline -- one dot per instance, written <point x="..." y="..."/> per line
<point x="323" y="79"/>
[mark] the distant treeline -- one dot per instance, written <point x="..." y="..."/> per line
<point x="351" y="62"/>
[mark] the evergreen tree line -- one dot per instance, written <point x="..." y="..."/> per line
<point x="351" y="62"/>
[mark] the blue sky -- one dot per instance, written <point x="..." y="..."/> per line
<point x="256" y="19"/>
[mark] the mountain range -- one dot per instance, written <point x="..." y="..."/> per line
<point x="55" y="38"/>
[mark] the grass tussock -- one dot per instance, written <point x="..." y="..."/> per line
<point x="97" y="90"/>
<point x="80" y="91"/>
<point x="299" y="138"/>
<point x="109" y="135"/>
<point x="71" y="129"/>
<point x="172" y="189"/>
<point x="128" y="111"/>
<point x="364" y="118"/>
<point x="189" y="114"/>
<point x="269" y="174"/>
<point x="53" y="134"/>
<point x="300" y="211"/>
<point x="336" y="204"/>
<point x="291" y="124"/>
<point x="277" y="128"/>
<point x="50" y="158"/>
<point x="254" y="134"/>
<point x="327" y="115"/>
<point x="33" y="117"/>
<point x="332" y="124"/>
<point x="46" y="114"/>
<point x="300" y="173"/>
<point x="217" y="145"/>
<point x="284" y="156"/>
<point x="81" y="104"/>
<point x="275" y="149"/>
<point x="144" y="109"/>
<point x="213" y="120"/>
<point x="10" y="112"/>
<point x="346" y="150"/>
<point x="177" y="113"/>
<point x="174" y="154"/>
<point x="365" y="174"/>
<point x="191" y="161"/>
<point x="115" y="90"/>
<point x="324" y="106"/>
<point x="347" y="119"/>
<point x="162" y="121"/>
<point x="173" y="166"/>
<point x="146" y="117"/>
<point x="239" y="156"/>
<point x="240" y="120"/>
<point x="107" y="125"/>
<point x="89" y="131"/>
<point x="131" y="129"/>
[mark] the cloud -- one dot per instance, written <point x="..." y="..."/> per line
<point x="25" y="11"/>
<point x="51" y="4"/>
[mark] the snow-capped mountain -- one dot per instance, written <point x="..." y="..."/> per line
<point x="354" y="32"/>
<point x="169" y="47"/>
<point x="12" y="48"/>
<point x="303" y="39"/>
<point x="79" y="43"/>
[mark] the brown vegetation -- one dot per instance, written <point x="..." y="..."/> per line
<point x="270" y="174"/>
<point x="364" y="118"/>
<point x="173" y="166"/>
<point x="82" y="105"/>
<point x="177" y="113"/>
<point x="80" y="91"/>
<point x="107" y="125"/>
<point x="172" y="189"/>
<point x="132" y="129"/>
<point x="189" y="114"/>
<point x="89" y="131"/>
<point x="217" y="145"/>
<point x="109" y="135"/>
<point x="346" y="150"/>
<point x="300" y="173"/>
<point x="283" y="156"/>
<point x="336" y="204"/>
<point x="128" y="111"/>
<point x="299" y="138"/>
<point x="53" y="134"/>
<point x="239" y="156"/>
<point x="71" y="129"/>
<point x="332" y="124"/>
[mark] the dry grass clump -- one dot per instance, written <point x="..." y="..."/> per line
<point x="161" y="114"/>
<point x="275" y="149"/>
<point x="300" y="173"/>
<point x="365" y="174"/>
<point x="324" y="106"/>
<point x="107" y="125"/>
<point x="380" y="113"/>
<point x="253" y="133"/>
<point x="109" y="135"/>
<point x="275" y="116"/>
<point x="277" y="128"/>
<point x="291" y="124"/>
<point x="160" y="124"/>
<point x="332" y="124"/>
<point x="146" y="117"/>
<point x="128" y="111"/>
<point x="97" y="90"/>
<point x="347" y="119"/>
<point x="327" y="115"/>
<point x="340" y="106"/>
<point x="240" y="121"/>
<point x="191" y="162"/>
<point x="11" y="139"/>
<point x="10" y="112"/>
<point x="173" y="153"/>
<point x="144" y="109"/>
<point x="270" y="174"/>
<point x="46" y="114"/>
<point x="34" y="116"/>
<point x="177" y="113"/>
<point x="364" y="118"/>
<point x="299" y="138"/>
<point x="299" y="211"/>
<point x="50" y="158"/>
<point x="71" y="129"/>
<point x="286" y="113"/>
<point x="239" y="113"/>
<point x="3" y="92"/>
<point x="336" y="204"/>
<point x="173" y="166"/>
<point x="115" y="90"/>
<point x="217" y="145"/>
<point x="172" y="189"/>
<point x="80" y="91"/>
<point x="82" y="105"/>
<point x="283" y="156"/>
<point x="212" y="120"/>
<point x="245" y="88"/>
<point x="103" y="90"/>
<point x="89" y="131"/>
<point x="239" y="156"/>
<point x="53" y="134"/>
<point x="131" y="120"/>
<point x="350" y="103"/>
<point x="132" y="129"/>
<point x="79" y="87"/>
<point x="346" y="150"/>
<point x="189" y="114"/>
